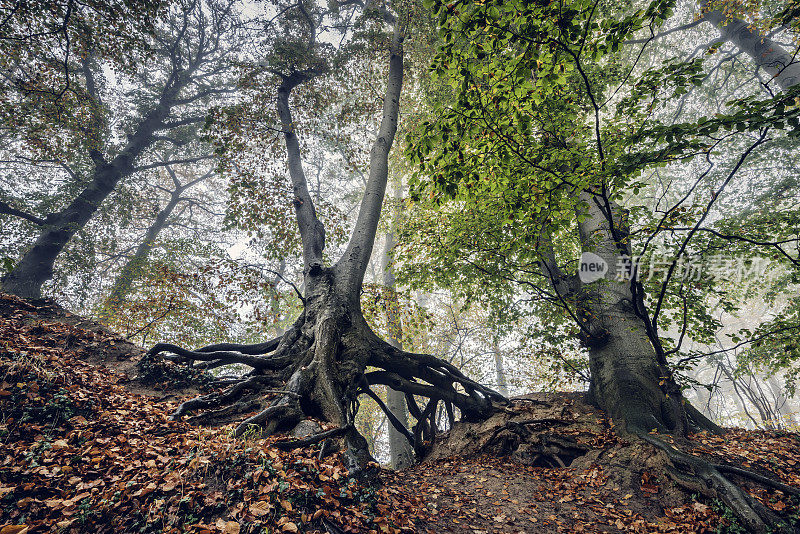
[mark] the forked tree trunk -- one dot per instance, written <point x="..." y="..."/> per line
<point x="319" y="364"/>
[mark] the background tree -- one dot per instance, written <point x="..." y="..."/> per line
<point x="133" y="266"/>
<point x="175" y="69"/>
<point x="400" y="451"/>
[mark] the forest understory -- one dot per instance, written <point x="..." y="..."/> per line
<point x="87" y="446"/>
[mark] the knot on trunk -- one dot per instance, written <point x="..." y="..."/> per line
<point x="594" y="335"/>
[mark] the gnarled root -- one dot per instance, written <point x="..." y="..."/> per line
<point x="318" y="368"/>
<point x="697" y="474"/>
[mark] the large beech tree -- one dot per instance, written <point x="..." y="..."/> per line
<point x="319" y="366"/>
<point x="528" y="161"/>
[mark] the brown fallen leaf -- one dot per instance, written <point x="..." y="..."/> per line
<point x="260" y="508"/>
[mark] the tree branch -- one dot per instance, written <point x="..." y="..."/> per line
<point x="8" y="210"/>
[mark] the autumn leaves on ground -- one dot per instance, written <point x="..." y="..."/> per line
<point x="86" y="446"/>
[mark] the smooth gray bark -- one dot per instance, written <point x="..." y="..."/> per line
<point x="312" y="232"/>
<point x="628" y="381"/>
<point x="320" y="363"/>
<point x="767" y="54"/>
<point x="400" y="452"/>
<point x="353" y="264"/>
<point x="335" y="352"/>
<point x="499" y="368"/>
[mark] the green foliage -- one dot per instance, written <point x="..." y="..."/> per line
<point x="532" y="104"/>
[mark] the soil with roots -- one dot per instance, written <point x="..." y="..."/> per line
<point x="552" y="463"/>
<point x="319" y="368"/>
<point x="89" y="446"/>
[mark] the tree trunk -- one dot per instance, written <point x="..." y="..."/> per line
<point x="782" y="404"/>
<point x="631" y="379"/>
<point x="274" y="301"/>
<point x="499" y="369"/>
<point x="186" y="58"/>
<point x="628" y="380"/>
<point x="319" y="364"/>
<point x="400" y="452"/>
<point x="36" y="265"/>
<point x="767" y="54"/>
<point x="703" y="401"/>
<point x="135" y="264"/>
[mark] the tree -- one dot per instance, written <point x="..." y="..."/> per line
<point x="778" y="63"/>
<point x="320" y="363"/>
<point x="192" y="53"/>
<point x="135" y="263"/>
<point x="528" y="157"/>
<point x="400" y="452"/>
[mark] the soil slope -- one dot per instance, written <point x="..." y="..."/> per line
<point x="87" y="446"/>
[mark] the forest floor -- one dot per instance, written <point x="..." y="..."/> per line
<point x="86" y="446"/>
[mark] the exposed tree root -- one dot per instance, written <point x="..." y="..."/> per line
<point x="318" y="368"/>
<point x="696" y="474"/>
<point x="699" y="422"/>
<point x="541" y="450"/>
<point x="331" y="527"/>
<point x="563" y="430"/>
<point x="761" y="479"/>
<point x="310" y="440"/>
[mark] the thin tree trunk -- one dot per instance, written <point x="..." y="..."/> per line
<point x="353" y="263"/>
<point x="703" y="401"/>
<point x="499" y="369"/>
<point x="782" y="404"/>
<point x="274" y="301"/>
<point x="400" y="451"/>
<point x="135" y="264"/>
